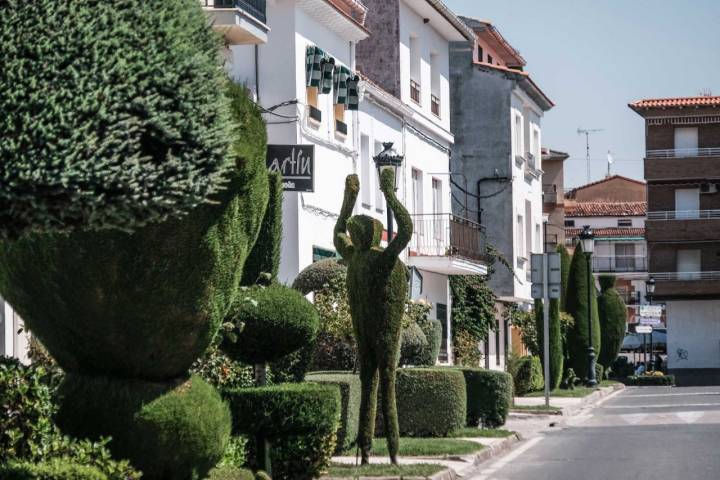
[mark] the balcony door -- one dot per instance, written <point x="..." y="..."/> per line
<point x="686" y="141"/>
<point x="688" y="264"/>
<point x="687" y="203"/>
<point x="625" y="257"/>
<point x="438" y="230"/>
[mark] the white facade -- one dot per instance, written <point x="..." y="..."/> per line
<point x="12" y="343"/>
<point x="693" y="334"/>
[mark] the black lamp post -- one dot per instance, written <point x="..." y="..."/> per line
<point x="587" y="240"/>
<point x="649" y="289"/>
<point x="389" y="158"/>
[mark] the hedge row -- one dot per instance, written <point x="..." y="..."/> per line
<point x="349" y="385"/>
<point x="527" y="375"/>
<point x="56" y="469"/>
<point x="489" y="396"/>
<point x="649" y="380"/>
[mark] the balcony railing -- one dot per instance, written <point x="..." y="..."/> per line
<point x="685" y="276"/>
<point x="435" y="105"/>
<point x="445" y="234"/>
<point x="683" y="152"/>
<point x="619" y="263"/>
<point x="550" y="194"/>
<point x="551" y="242"/>
<point x="415" y="91"/>
<point x="256" y="8"/>
<point x="684" y="215"/>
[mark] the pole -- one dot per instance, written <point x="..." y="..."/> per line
<point x="652" y="362"/>
<point x="645" y="350"/>
<point x="546" y="328"/>
<point x="389" y="224"/>
<point x="592" y="381"/>
<point x="587" y="154"/>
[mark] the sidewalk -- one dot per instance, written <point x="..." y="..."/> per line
<point x="569" y="405"/>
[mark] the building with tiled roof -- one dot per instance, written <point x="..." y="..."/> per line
<point x="606" y="209"/>
<point x="680" y="102"/>
<point x="615" y="188"/>
<point x="621" y="233"/>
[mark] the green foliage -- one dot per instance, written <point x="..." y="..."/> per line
<point x="377" y="291"/>
<point x="230" y="473"/>
<point x="412" y="345"/>
<point x="121" y="124"/>
<point x="466" y="348"/>
<point x="234" y="454"/>
<point x="318" y="275"/>
<point x="56" y="469"/>
<point x="489" y="397"/>
<point x="526" y="373"/>
<point x="473" y="314"/>
<point x="556" y="349"/>
<point x="331" y="302"/>
<point x="298" y="420"/>
<point x="431" y="401"/>
<point x="525" y="322"/>
<point x="621" y="368"/>
<point x="269" y="323"/>
<point x="599" y="372"/>
<point x="613" y="320"/>
<point x="265" y="255"/>
<point x="294" y="366"/>
<point x="333" y="353"/>
<point x="564" y="275"/>
<point x="433" y="334"/>
<point x="221" y="371"/>
<point x="86" y="295"/>
<point x="579" y="286"/>
<point x="349" y="385"/>
<point x="177" y="429"/>
<point x="650" y="380"/>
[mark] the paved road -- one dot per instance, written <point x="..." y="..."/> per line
<point x="653" y="433"/>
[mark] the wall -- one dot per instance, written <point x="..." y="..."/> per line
<point x="12" y="344"/>
<point x="603" y="222"/>
<point x="662" y="197"/>
<point x="379" y="56"/>
<point x="662" y="137"/>
<point x="663" y="257"/>
<point x="694" y="332"/>
<point x="613" y="189"/>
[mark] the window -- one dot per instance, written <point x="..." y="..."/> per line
<point x="480" y="54"/>
<point x="366" y="172"/>
<point x="569" y="223"/>
<point x="417" y="192"/>
<point x="688" y="264"/>
<point x="340" y="125"/>
<point x="687" y="203"/>
<point x="625" y="257"/>
<point x="414" y="70"/>
<point x="538" y="239"/>
<point x="319" y="253"/>
<point x="535" y="147"/>
<point x="314" y="113"/>
<point x="520" y="228"/>
<point x="490" y="59"/>
<point x="434" y="84"/>
<point x="442" y="316"/>
<point x="528" y="229"/>
<point x="437" y="209"/>
<point x="518" y="135"/>
<point x="686" y="141"/>
<point x="497" y="341"/>
<point x="624" y="222"/>
<point x="379" y="198"/>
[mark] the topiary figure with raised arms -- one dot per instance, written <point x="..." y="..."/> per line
<point x="377" y="289"/>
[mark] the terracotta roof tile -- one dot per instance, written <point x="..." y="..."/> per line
<point x="571" y="193"/>
<point x="608" y="232"/>
<point x="605" y="209"/>
<point x="703" y="101"/>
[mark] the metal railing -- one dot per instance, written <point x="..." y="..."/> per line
<point x="683" y="214"/>
<point x="683" y="152"/>
<point x="686" y="276"/>
<point x="550" y="194"/>
<point x="256" y="8"/>
<point x="445" y="234"/>
<point x="619" y="263"/>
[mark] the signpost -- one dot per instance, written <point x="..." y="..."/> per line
<point x="654" y="311"/>
<point x="650" y="321"/>
<point x="644" y="329"/>
<point x="296" y="165"/>
<point x="546" y="279"/>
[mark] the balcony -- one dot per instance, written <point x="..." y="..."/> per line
<point x="241" y="22"/>
<point x="448" y="244"/>
<point x="682" y="225"/>
<point x="551" y="242"/>
<point x="686" y="285"/>
<point x="619" y="263"/>
<point x="630" y="298"/>
<point x="550" y="194"/>
<point x="682" y="163"/>
<point x="684" y="215"/>
<point x="684" y="153"/>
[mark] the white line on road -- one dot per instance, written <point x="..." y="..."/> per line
<point x="485" y="475"/>
<point x="672" y="394"/>
<point x="667" y="405"/>
<point x="689" y="417"/>
<point x="634" y="418"/>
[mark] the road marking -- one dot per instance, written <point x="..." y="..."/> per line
<point x="668" y="405"/>
<point x="672" y="394"/>
<point x="634" y="418"/>
<point x="689" y="417"/>
<point x="485" y="474"/>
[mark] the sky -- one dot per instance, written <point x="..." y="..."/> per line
<point x="592" y="58"/>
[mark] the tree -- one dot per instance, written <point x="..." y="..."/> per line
<point x="473" y="315"/>
<point x="613" y="320"/>
<point x="556" y="343"/>
<point x="579" y="289"/>
<point x="564" y="274"/>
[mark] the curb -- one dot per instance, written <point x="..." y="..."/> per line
<point x="500" y="448"/>
<point x="447" y="474"/>
<point x="592" y="399"/>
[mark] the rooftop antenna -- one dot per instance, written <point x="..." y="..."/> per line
<point x="587" y="133"/>
<point x="610" y="161"/>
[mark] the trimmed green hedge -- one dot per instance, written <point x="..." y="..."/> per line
<point x="299" y="420"/>
<point x="349" y="384"/>
<point x="649" y="380"/>
<point x="527" y="375"/>
<point x="265" y="254"/>
<point x="431" y="402"/>
<point x="120" y="124"/>
<point x="613" y="321"/>
<point x="230" y="473"/>
<point x="317" y="275"/>
<point x="489" y="396"/>
<point x="173" y="430"/>
<point x="56" y="469"/>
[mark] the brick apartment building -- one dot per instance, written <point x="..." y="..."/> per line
<point x="553" y="197"/>
<point x="682" y="169"/>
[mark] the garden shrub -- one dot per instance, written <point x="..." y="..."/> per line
<point x="613" y="320"/>
<point x="413" y="345"/>
<point x="56" y="469"/>
<point x="489" y="396"/>
<point x="565" y="261"/>
<point x="318" y="275"/>
<point x="230" y="473"/>
<point x="293" y="366"/>
<point x="349" y="385"/>
<point x="122" y="122"/>
<point x="299" y="420"/>
<point x="556" y="342"/>
<point x="473" y="315"/>
<point x="599" y="373"/>
<point x="621" y="368"/>
<point x="265" y="254"/>
<point x="333" y="353"/>
<point x="649" y="380"/>
<point x="177" y="430"/>
<point x="432" y="329"/>
<point x="431" y="402"/>
<point x="270" y="322"/>
<point x="527" y="374"/>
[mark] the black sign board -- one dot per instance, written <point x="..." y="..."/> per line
<point x="296" y="164"/>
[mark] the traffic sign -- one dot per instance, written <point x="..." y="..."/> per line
<point x="643" y="329"/>
<point x="651" y="311"/>
<point x="554" y="277"/>
<point x="650" y="321"/>
<point x="536" y="290"/>
<point x="553" y="291"/>
<point x="536" y="269"/>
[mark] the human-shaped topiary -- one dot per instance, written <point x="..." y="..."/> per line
<point x="377" y="287"/>
<point x="613" y="320"/>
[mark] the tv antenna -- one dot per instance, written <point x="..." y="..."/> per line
<point x="587" y="133"/>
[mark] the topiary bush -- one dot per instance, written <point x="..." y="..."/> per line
<point x="56" y="469"/>
<point x="432" y="329"/>
<point x="265" y="254"/>
<point x="298" y="420"/>
<point x="613" y="320"/>
<point x="621" y="368"/>
<point x="121" y="124"/>
<point x="527" y="375"/>
<point x="413" y="345"/>
<point x="489" y="396"/>
<point x="349" y="385"/>
<point x="230" y="473"/>
<point x="556" y="341"/>
<point x="432" y="402"/>
<point x="649" y="380"/>
<point x="169" y="431"/>
<point x="270" y="322"/>
<point x="318" y="275"/>
<point x="333" y="353"/>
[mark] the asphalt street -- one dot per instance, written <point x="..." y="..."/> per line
<point x="653" y="433"/>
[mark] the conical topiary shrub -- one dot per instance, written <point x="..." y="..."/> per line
<point x="613" y="320"/>
<point x="556" y="346"/>
<point x="577" y="305"/>
<point x="112" y="113"/>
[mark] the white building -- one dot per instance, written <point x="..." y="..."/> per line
<point x="12" y="343"/>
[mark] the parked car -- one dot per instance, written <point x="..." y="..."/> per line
<point x="633" y="342"/>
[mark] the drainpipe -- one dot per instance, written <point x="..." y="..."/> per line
<point x="257" y="73"/>
<point x="496" y="178"/>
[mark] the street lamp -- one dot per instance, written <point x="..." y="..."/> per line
<point x="389" y="158"/>
<point x="587" y="240"/>
<point x="650" y="289"/>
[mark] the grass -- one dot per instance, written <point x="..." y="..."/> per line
<point x="536" y="409"/>
<point x="474" y="432"/>
<point x="425" y="447"/>
<point x="578" y="392"/>
<point x="378" y="470"/>
<point x="608" y="383"/>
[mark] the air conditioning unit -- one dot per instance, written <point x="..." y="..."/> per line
<point x="709" y="188"/>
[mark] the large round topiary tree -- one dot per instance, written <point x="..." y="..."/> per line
<point x="613" y="320"/>
<point x="580" y="290"/>
<point x="112" y="113"/>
